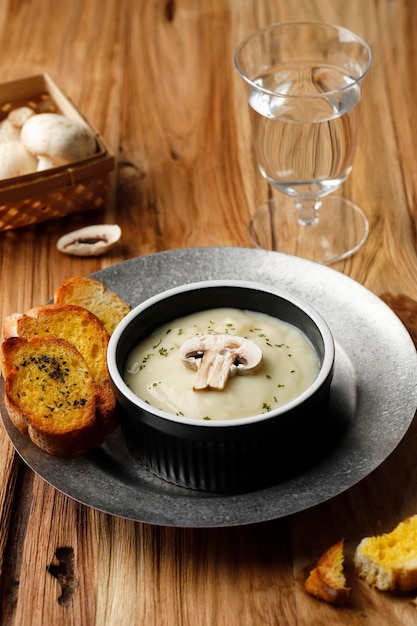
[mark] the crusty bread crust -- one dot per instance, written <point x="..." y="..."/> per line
<point x="51" y="395"/>
<point x="42" y="392"/>
<point x="78" y="326"/>
<point x="389" y="561"/>
<point x="94" y="296"/>
<point x="326" y="580"/>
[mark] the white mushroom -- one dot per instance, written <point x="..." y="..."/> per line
<point x="218" y="356"/>
<point x="90" y="241"/>
<point x="57" y="140"/>
<point x="15" y="160"/>
<point x="8" y="132"/>
<point x="17" y="117"/>
<point x="11" y="126"/>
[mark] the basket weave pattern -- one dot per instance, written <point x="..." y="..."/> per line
<point x="85" y="196"/>
<point x="58" y="191"/>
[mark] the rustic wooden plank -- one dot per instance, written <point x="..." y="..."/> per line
<point x="8" y="477"/>
<point x="156" y="79"/>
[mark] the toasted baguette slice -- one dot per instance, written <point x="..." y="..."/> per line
<point x="78" y="326"/>
<point x="94" y="296"/>
<point x="389" y="561"/>
<point x="51" y="395"/>
<point x="327" y="580"/>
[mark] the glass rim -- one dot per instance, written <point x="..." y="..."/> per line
<point x="270" y="27"/>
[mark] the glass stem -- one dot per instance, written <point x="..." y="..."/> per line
<point x="308" y="210"/>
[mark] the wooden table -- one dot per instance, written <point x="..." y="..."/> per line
<point x="156" y="78"/>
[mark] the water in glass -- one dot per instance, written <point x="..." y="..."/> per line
<point x="305" y="121"/>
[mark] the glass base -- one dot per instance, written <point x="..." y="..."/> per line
<point x="339" y="231"/>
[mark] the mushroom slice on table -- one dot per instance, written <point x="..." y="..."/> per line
<point x="90" y="241"/>
<point x="218" y="356"/>
<point x="57" y="140"/>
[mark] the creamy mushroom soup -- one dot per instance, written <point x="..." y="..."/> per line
<point x="155" y="372"/>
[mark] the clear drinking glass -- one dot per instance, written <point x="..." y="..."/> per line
<point x="304" y="82"/>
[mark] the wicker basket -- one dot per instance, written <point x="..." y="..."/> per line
<point x="59" y="191"/>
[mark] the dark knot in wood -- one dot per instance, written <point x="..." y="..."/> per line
<point x="64" y="572"/>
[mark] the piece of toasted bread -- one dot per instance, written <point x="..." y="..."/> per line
<point x="389" y="561"/>
<point x="94" y="296"/>
<point x="78" y="326"/>
<point x="326" y="580"/>
<point x="51" y="394"/>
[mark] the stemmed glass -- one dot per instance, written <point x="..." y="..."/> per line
<point x="304" y="82"/>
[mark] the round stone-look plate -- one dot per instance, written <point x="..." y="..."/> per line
<point x="373" y="396"/>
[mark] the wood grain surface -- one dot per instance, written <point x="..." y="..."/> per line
<point x="156" y="78"/>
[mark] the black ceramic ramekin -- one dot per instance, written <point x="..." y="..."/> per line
<point x="232" y="455"/>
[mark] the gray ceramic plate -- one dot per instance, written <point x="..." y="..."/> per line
<point x="373" y="396"/>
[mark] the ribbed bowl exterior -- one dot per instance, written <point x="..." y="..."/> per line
<point x="241" y="460"/>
